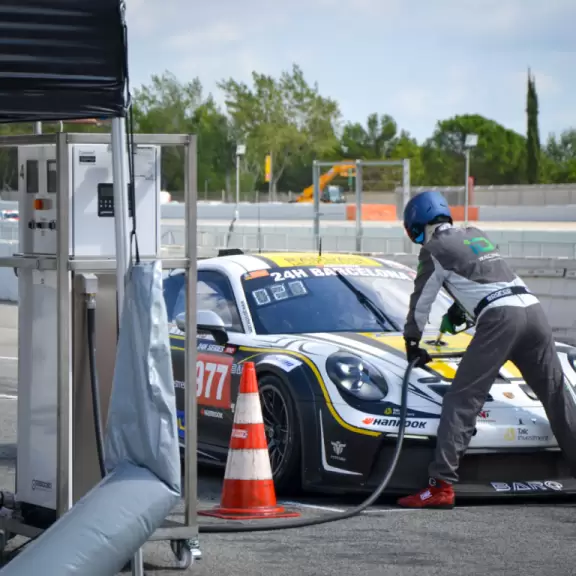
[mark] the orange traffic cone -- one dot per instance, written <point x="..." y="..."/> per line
<point x="248" y="491"/>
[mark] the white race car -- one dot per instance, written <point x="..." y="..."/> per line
<point x="330" y="370"/>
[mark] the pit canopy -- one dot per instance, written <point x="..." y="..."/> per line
<point x="62" y="60"/>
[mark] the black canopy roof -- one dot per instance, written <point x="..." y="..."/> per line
<point x="61" y="60"/>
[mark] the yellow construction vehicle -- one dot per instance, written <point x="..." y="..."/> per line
<point x="329" y="194"/>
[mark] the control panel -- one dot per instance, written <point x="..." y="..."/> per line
<point x="106" y="201"/>
<point x="91" y="198"/>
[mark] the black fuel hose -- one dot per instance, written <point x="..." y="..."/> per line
<point x="97" y="412"/>
<point x="302" y="523"/>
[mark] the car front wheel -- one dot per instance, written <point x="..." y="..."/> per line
<point x="282" y="433"/>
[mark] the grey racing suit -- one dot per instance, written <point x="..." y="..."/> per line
<point x="511" y="325"/>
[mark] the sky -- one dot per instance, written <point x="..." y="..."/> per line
<point x="418" y="60"/>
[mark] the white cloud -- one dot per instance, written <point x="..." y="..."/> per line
<point x="214" y="36"/>
<point x="418" y="60"/>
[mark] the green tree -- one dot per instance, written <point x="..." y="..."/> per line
<point x="286" y="117"/>
<point x="560" y="157"/>
<point x="533" y="136"/>
<point x="169" y="106"/>
<point x="499" y="157"/>
<point x="373" y="142"/>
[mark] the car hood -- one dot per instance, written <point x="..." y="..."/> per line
<point x="390" y="348"/>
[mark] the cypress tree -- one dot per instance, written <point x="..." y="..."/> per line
<point x="533" y="136"/>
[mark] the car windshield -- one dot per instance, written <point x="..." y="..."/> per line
<point x="308" y="299"/>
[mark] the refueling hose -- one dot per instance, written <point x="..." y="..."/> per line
<point x="266" y="526"/>
<point x="269" y="526"/>
<point x="91" y="330"/>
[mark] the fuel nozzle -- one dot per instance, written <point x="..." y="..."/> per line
<point x="438" y="341"/>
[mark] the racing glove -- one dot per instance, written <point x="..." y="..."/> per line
<point x="413" y="351"/>
<point x="452" y="319"/>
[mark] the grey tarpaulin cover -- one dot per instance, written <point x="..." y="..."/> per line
<point x="110" y="523"/>
<point x="102" y="531"/>
<point x="142" y="425"/>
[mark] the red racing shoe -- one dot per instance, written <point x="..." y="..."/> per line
<point x="439" y="495"/>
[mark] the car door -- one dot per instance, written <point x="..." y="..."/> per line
<point x="216" y="371"/>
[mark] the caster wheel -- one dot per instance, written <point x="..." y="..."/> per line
<point x="183" y="552"/>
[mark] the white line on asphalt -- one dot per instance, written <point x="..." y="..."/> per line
<point x="332" y="509"/>
<point x="8" y="397"/>
<point x="312" y="506"/>
<point x="8" y="357"/>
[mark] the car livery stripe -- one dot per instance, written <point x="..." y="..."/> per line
<point x="320" y="380"/>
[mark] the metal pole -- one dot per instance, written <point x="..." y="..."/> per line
<point x="64" y="369"/>
<point x="120" y="176"/>
<point x="466" y="196"/>
<point x="406" y="194"/>
<point x="359" y="205"/>
<point x="237" y="211"/>
<point x="190" y="420"/>
<point x="37" y="127"/>
<point x="316" y="184"/>
<point x="270" y="188"/>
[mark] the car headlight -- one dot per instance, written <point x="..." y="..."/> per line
<point x="357" y="377"/>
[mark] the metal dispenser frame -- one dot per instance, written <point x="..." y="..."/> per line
<point x="64" y="265"/>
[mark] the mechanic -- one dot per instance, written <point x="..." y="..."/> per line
<point x="511" y="325"/>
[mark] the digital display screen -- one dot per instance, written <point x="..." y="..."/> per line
<point x="106" y="190"/>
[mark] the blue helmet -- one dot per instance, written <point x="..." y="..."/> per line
<point x="425" y="208"/>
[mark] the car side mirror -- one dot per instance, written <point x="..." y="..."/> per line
<point x="206" y="321"/>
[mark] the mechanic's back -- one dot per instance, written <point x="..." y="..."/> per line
<point x="471" y="269"/>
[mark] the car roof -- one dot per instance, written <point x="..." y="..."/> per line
<point x="270" y="260"/>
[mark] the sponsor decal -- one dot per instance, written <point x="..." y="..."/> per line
<point x="317" y="272"/>
<point x="306" y="259"/>
<point x="337" y="449"/>
<point x="179" y="384"/>
<point x="523" y="435"/>
<point x="211" y="413"/>
<point x="255" y="274"/>
<point x="284" y="362"/>
<point x="394" y="423"/>
<point x="209" y="347"/>
<point x="485" y="416"/>
<point x="238" y="433"/>
<point x="237" y="369"/>
<point x="246" y="315"/>
<point x="41" y="485"/>
<point x="544" y="486"/>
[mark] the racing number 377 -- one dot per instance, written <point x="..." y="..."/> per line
<point x="213" y="377"/>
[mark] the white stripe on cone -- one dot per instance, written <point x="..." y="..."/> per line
<point x="248" y="410"/>
<point x="248" y="465"/>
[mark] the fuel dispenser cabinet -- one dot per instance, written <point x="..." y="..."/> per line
<point x="92" y="236"/>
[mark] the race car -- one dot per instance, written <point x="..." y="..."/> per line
<point x="325" y="334"/>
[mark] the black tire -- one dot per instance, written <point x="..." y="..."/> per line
<point x="286" y="471"/>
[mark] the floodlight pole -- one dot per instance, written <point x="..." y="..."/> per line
<point x="240" y="151"/>
<point x="470" y="142"/>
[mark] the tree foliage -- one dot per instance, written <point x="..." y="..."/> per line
<point x="291" y="119"/>
<point x="284" y="117"/>
<point x="533" y="134"/>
